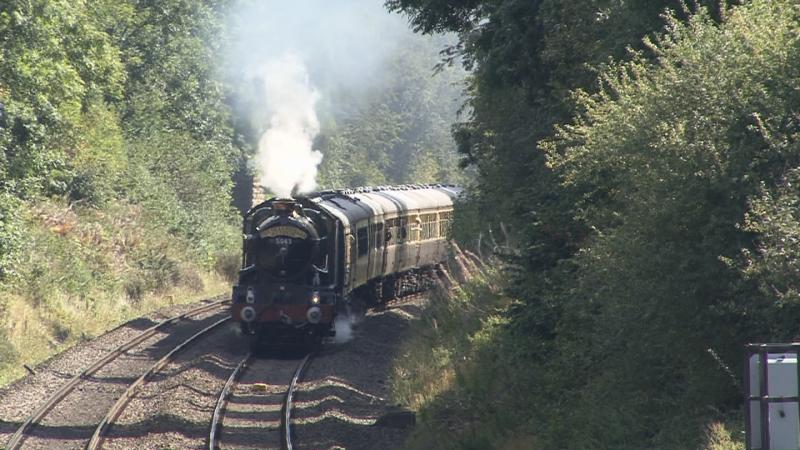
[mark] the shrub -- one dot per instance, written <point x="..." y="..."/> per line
<point x="667" y="161"/>
<point x="11" y="234"/>
<point x="8" y="354"/>
<point x="227" y="265"/>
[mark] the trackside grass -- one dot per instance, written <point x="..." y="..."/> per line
<point x="476" y="383"/>
<point x="437" y="371"/>
<point x="85" y="270"/>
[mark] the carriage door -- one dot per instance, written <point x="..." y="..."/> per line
<point x="414" y="235"/>
<point x="362" y="257"/>
<point x="376" y="266"/>
<point x="385" y="243"/>
<point x="349" y="257"/>
<point x="400" y="258"/>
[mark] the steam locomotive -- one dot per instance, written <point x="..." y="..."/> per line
<point x="307" y="259"/>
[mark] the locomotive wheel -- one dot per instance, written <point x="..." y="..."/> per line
<point x="377" y="293"/>
<point x="389" y="289"/>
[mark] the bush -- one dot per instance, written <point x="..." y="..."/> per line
<point x="684" y="170"/>
<point x="774" y="216"/>
<point x="668" y="161"/>
<point x="8" y="354"/>
<point x="227" y="265"/>
<point x="184" y="186"/>
<point x="718" y="437"/>
<point x="10" y="236"/>
<point x="463" y="370"/>
<point x="116" y="163"/>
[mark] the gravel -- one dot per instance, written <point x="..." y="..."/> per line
<point x="345" y="390"/>
<point x="342" y="394"/>
<point x="253" y="414"/>
<point x="63" y="423"/>
<point x="173" y="409"/>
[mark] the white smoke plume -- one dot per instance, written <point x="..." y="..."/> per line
<point x="344" y="328"/>
<point x="345" y="323"/>
<point x="295" y="50"/>
<point x="286" y="160"/>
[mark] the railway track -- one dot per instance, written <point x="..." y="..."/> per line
<point x="277" y="372"/>
<point x="286" y="425"/>
<point x="97" y="436"/>
<point x="268" y="414"/>
<point x="57" y="397"/>
<point x="279" y="432"/>
<point x="216" y="417"/>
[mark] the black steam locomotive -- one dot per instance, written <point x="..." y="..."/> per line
<point x="306" y="259"/>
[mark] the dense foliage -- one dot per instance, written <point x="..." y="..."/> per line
<point x="397" y="131"/>
<point x="89" y="89"/>
<point x="116" y="161"/>
<point x="640" y="161"/>
<point x="651" y="194"/>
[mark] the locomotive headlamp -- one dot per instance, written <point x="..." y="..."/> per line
<point x="315" y="298"/>
<point x="251" y="296"/>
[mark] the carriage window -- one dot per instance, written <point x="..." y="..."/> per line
<point x="363" y="241"/>
<point x="428" y="226"/>
<point x="445" y="223"/>
<point x="391" y="230"/>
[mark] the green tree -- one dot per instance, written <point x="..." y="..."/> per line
<point x="526" y="57"/>
<point x="399" y="131"/>
<point x="680" y="164"/>
<point x="85" y="87"/>
<point x="55" y="64"/>
<point x="176" y="119"/>
<point x="652" y="224"/>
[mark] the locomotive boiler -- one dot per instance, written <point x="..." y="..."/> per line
<point x="309" y="258"/>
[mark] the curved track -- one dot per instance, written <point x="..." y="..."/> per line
<point x="18" y="437"/>
<point x="216" y="418"/>
<point x="266" y="434"/>
<point x="261" y="404"/>
<point x="286" y="425"/>
<point x="112" y="414"/>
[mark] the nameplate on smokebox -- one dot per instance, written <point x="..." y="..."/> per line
<point x="292" y="232"/>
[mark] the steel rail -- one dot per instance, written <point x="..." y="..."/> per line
<point x="123" y="400"/>
<point x="286" y="419"/>
<point x="223" y="396"/>
<point x="37" y="415"/>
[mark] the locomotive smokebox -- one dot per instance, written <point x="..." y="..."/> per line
<point x="248" y="314"/>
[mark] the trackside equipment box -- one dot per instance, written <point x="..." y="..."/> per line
<point x="773" y="404"/>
